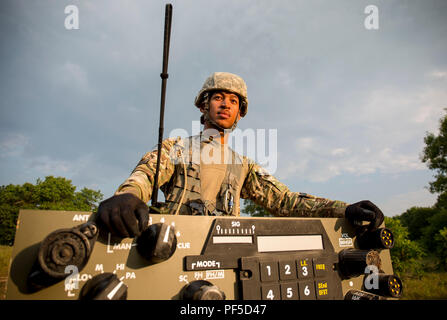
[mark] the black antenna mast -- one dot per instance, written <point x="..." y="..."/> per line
<point x="164" y="77"/>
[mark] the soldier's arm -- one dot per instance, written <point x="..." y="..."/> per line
<point x="265" y="190"/>
<point x="141" y="181"/>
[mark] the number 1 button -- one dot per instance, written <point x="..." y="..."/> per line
<point x="269" y="271"/>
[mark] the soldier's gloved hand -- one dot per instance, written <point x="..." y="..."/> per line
<point x="123" y="215"/>
<point x="364" y="211"/>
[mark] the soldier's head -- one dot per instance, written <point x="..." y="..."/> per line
<point x="222" y="100"/>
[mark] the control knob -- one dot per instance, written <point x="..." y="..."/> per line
<point x="104" y="286"/>
<point x="201" y="290"/>
<point x="157" y="243"/>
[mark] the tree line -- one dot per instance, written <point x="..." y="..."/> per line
<point x="52" y="193"/>
<point x="423" y="231"/>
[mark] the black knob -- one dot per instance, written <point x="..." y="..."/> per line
<point x="387" y="285"/>
<point x="381" y="238"/>
<point x="157" y="243"/>
<point x="353" y="262"/>
<point x="60" y="249"/>
<point x="104" y="286"/>
<point x="201" y="290"/>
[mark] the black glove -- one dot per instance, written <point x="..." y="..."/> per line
<point x="364" y="211"/>
<point x="123" y="215"/>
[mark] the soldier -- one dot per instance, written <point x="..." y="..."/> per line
<point x="202" y="175"/>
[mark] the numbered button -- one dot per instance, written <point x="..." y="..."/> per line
<point x="270" y="292"/>
<point x="287" y="270"/>
<point x="289" y="291"/>
<point x="306" y="290"/>
<point x="304" y="268"/>
<point x="269" y="271"/>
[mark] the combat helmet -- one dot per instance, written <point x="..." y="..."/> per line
<point x="225" y="81"/>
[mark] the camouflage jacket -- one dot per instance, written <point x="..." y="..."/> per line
<point x="255" y="184"/>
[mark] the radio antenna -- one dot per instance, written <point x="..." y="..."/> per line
<point x="164" y="78"/>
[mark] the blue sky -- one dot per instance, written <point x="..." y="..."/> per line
<point x="350" y="105"/>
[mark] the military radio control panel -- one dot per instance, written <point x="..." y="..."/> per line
<point x="63" y="255"/>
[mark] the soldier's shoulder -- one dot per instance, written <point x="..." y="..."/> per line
<point x="255" y="167"/>
<point x="171" y="141"/>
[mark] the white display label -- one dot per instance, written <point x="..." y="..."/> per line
<point x="232" y="239"/>
<point x="289" y="243"/>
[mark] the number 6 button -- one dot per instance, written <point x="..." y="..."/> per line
<point x="307" y="290"/>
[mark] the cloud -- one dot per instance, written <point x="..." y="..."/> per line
<point x="318" y="161"/>
<point x="438" y="74"/>
<point x="13" y="144"/>
<point x="380" y="131"/>
<point x="71" y="76"/>
<point x="399" y="203"/>
<point x="47" y="165"/>
<point x="339" y="152"/>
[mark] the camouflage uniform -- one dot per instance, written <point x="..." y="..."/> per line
<point x="183" y="172"/>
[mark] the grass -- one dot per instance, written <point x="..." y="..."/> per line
<point x="5" y="255"/>
<point x="429" y="286"/>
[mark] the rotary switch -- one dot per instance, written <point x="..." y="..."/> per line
<point x="201" y="290"/>
<point x="59" y="250"/>
<point x="104" y="286"/>
<point x="157" y="243"/>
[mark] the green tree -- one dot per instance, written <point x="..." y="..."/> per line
<point x="416" y="219"/>
<point x="254" y="210"/>
<point x="406" y="254"/>
<point x="53" y="193"/>
<point x="441" y="246"/>
<point x="435" y="224"/>
<point x="435" y="156"/>
<point x="424" y="226"/>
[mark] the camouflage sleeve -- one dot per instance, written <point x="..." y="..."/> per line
<point x="141" y="181"/>
<point x="265" y="190"/>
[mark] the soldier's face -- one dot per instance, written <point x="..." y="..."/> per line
<point x="224" y="108"/>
